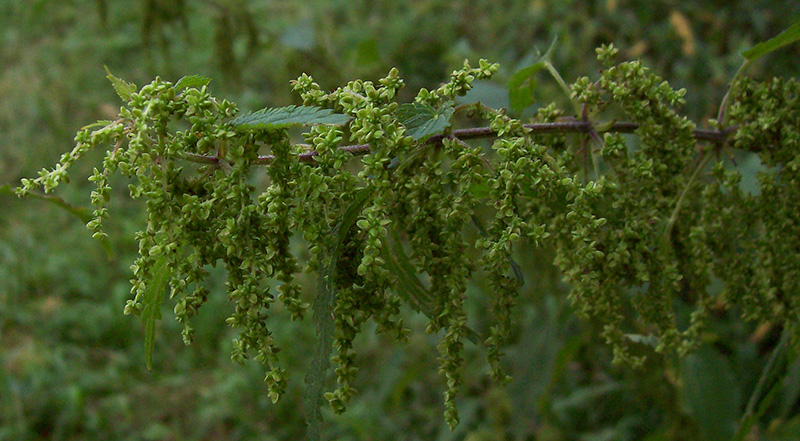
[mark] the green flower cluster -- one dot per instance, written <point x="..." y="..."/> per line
<point x="629" y="262"/>
<point x="638" y="225"/>
<point x="754" y="238"/>
<point x="656" y="230"/>
<point x="410" y="193"/>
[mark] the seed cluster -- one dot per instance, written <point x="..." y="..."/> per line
<point x="638" y="225"/>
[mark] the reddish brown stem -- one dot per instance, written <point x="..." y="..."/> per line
<point x="573" y="126"/>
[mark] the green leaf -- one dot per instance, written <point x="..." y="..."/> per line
<point x="350" y="216"/>
<point x="409" y="287"/>
<point x="324" y="319"/>
<point x="711" y="394"/>
<point x="399" y="164"/>
<point x="488" y="93"/>
<point x="99" y="123"/>
<point x="747" y="423"/>
<point x="521" y="86"/>
<point x="151" y="313"/>
<point x="123" y="88"/>
<point x="289" y="116"/>
<point x="788" y="36"/>
<point x="423" y="120"/>
<point x="191" y="81"/>
<point x="791" y="392"/>
<point x="586" y="397"/>
<point x="759" y="402"/>
<point x="82" y="213"/>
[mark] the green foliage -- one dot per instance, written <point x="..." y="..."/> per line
<point x="191" y="81"/>
<point x="324" y="305"/>
<point x="422" y="120"/>
<point x="69" y="370"/>
<point x="522" y="84"/>
<point x="604" y="230"/>
<point x="151" y="307"/>
<point x="123" y="88"/>
<point x="286" y="117"/>
<point x="711" y="394"/>
<point x="785" y="38"/>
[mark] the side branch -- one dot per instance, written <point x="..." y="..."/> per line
<point x="714" y="136"/>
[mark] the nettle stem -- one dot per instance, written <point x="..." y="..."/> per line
<point x="569" y="126"/>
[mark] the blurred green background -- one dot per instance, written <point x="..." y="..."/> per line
<point x="72" y="366"/>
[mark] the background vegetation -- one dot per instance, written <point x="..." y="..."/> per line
<point x="72" y="366"/>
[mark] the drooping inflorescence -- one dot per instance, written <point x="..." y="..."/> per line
<point x="638" y="225"/>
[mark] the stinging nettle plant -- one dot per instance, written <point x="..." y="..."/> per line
<point x="636" y="223"/>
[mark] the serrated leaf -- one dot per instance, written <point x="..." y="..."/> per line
<point x="324" y="319"/>
<point x="521" y="86"/>
<point x="423" y="120"/>
<point x="99" y="123"/>
<point x="788" y="36"/>
<point x="123" y="88"/>
<point x="191" y="81"/>
<point x="409" y="287"/>
<point x="289" y="116"/>
<point x="151" y="312"/>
